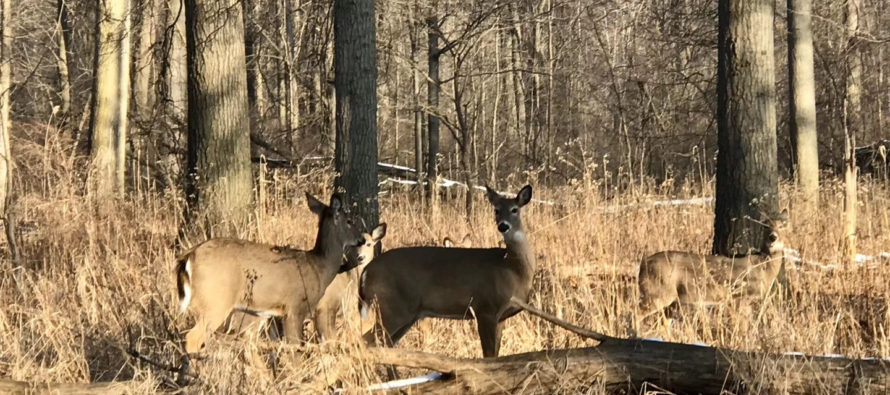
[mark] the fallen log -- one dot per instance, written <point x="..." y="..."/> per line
<point x="631" y="364"/>
<point x="25" y="387"/>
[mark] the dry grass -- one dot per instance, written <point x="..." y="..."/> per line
<point x="97" y="281"/>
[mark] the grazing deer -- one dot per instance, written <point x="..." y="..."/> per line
<point x="456" y="283"/>
<point x="224" y="275"/>
<point x="345" y="284"/>
<point x="687" y="278"/>
<point x="464" y="243"/>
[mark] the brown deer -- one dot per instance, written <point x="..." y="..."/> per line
<point x="345" y="284"/>
<point x="464" y="243"/>
<point x="456" y="283"/>
<point x="688" y="278"/>
<point x="224" y="275"/>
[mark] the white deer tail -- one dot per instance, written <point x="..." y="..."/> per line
<point x="184" y="282"/>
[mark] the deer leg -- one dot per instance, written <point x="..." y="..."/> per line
<point x="489" y="334"/>
<point x="293" y="325"/>
<point x="325" y="322"/>
<point x="392" y="325"/>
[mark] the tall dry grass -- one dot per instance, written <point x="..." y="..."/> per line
<point x="96" y="279"/>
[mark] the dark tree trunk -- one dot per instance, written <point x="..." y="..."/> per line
<point x="355" y="81"/>
<point x="220" y="185"/>
<point x="433" y="86"/>
<point x="747" y="179"/>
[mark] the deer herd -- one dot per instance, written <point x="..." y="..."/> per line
<point x="230" y="284"/>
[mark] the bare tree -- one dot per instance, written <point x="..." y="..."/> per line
<point x="747" y="174"/>
<point x="111" y="98"/>
<point x="62" y="37"/>
<point x="802" y="97"/>
<point x="6" y="162"/>
<point x="143" y="60"/>
<point x="219" y="187"/>
<point x="433" y="87"/>
<point x="177" y="97"/>
<point x="852" y="117"/>
<point x="355" y="79"/>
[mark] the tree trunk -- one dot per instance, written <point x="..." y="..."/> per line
<point x="747" y="179"/>
<point x="111" y="98"/>
<point x="144" y="61"/>
<point x="178" y="69"/>
<point x="852" y="115"/>
<point x="256" y="95"/>
<point x="802" y="103"/>
<point x="433" y="87"/>
<point x="635" y="365"/>
<point x="355" y="79"/>
<point x="220" y="185"/>
<point x="63" y="34"/>
<point x="418" y="112"/>
<point x="630" y="366"/>
<point x="6" y="162"/>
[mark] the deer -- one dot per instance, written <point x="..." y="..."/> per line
<point x="222" y="275"/>
<point x="345" y="284"/>
<point x="689" y="278"/>
<point x="464" y="243"/>
<point x="412" y="283"/>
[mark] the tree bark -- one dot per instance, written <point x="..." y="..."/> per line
<point x="220" y="185"/>
<point x="747" y="179"/>
<point x="6" y="161"/>
<point x="852" y="115"/>
<point x="63" y="33"/>
<point x="178" y="69"/>
<point x="111" y="85"/>
<point x="433" y="87"/>
<point x="630" y="365"/>
<point x="256" y="95"/>
<point x="802" y="103"/>
<point x="355" y="80"/>
<point x="144" y="61"/>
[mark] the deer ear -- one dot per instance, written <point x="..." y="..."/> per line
<point x="315" y="205"/>
<point x="336" y="203"/>
<point x="524" y="196"/>
<point x="492" y="195"/>
<point x="379" y="232"/>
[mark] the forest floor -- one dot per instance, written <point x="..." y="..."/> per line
<point x="97" y="280"/>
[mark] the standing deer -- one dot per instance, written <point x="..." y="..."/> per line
<point x="464" y="243"/>
<point x="456" y="283"/>
<point x="223" y="275"/>
<point x="345" y="284"/>
<point x="688" y="278"/>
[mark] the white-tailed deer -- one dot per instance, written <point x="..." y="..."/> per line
<point x="456" y="283"/>
<point x="345" y="284"/>
<point x="688" y="278"/>
<point x="222" y="275"/>
<point x="464" y="243"/>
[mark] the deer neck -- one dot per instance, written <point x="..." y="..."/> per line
<point x="519" y="251"/>
<point x="328" y="250"/>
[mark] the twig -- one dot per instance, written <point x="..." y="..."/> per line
<point x="583" y="332"/>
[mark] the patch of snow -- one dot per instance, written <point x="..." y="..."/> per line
<point x="389" y="385"/>
<point x="794" y="354"/>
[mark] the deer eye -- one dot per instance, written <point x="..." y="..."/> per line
<point x="497" y="212"/>
<point x="514" y="210"/>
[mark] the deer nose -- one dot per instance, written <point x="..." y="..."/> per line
<point x="503" y="227"/>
